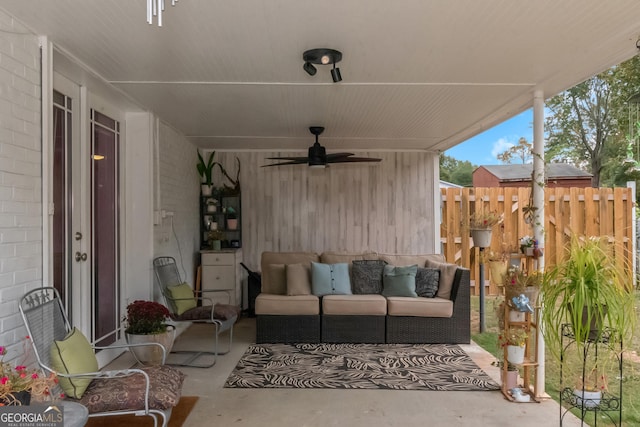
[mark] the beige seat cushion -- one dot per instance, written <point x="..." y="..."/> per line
<point x="371" y="305"/>
<point x="273" y="265"/>
<point x="420" y="307"/>
<point x="404" y="260"/>
<point x="346" y="257"/>
<point x="287" y="305"/>
<point x="447" y="274"/>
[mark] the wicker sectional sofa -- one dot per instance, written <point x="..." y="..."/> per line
<point x="288" y="312"/>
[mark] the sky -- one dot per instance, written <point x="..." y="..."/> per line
<point x="482" y="149"/>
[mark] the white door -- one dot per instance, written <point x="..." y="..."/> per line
<point x="86" y="209"/>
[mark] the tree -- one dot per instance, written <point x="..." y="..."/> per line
<point x="456" y="171"/>
<point x="520" y="151"/>
<point x="587" y="122"/>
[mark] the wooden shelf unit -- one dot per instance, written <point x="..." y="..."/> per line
<point x="530" y="365"/>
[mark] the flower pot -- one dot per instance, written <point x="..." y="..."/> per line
<point x="595" y="327"/>
<point x="529" y="251"/>
<point x="511" y="380"/>
<point x="216" y="245"/>
<point x="232" y="224"/>
<point x="481" y="237"/>
<point x="213" y="226"/>
<point x="211" y="208"/>
<point x="151" y="355"/>
<point x="516" y="316"/>
<point x="497" y="270"/>
<point x="206" y="190"/>
<point x="17" y="398"/>
<point x="587" y="399"/>
<point x="515" y="354"/>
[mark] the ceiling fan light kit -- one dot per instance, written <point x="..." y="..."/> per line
<point x="317" y="156"/>
<point x="322" y="56"/>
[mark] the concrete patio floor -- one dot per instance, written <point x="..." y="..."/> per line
<point x="355" y="408"/>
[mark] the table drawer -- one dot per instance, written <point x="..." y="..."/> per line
<point x="218" y="259"/>
<point x="218" y="277"/>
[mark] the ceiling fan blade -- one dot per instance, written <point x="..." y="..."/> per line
<point x="294" y="161"/>
<point x="353" y="160"/>
<point x="335" y="155"/>
<point x="304" y="159"/>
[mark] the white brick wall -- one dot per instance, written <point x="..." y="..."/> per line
<point x="179" y="192"/>
<point x="20" y="176"/>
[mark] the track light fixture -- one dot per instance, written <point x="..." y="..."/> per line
<point x="322" y="56"/>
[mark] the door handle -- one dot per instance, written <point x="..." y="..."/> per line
<point x="81" y="256"/>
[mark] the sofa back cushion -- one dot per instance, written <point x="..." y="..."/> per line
<point x="427" y="282"/>
<point x="405" y="260"/>
<point x="346" y="257"/>
<point x="273" y="264"/>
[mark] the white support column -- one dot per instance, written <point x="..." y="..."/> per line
<point x="538" y="223"/>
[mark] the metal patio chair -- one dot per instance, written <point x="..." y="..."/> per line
<point x="151" y="391"/>
<point x="221" y="316"/>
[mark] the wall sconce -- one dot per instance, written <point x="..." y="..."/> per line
<point x="322" y="56"/>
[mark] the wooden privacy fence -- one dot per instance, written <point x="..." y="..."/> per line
<point x="581" y="211"/>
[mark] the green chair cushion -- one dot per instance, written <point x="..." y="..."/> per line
<point x="73" y="355"/>
<point x="183" y="299"/>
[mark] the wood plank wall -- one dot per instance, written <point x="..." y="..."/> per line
<point x="387" y="207"/>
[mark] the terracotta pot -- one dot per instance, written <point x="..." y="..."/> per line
<point x="151" y="355"/>
<point x="232" y="224"/>
<point x="511" y="381"/>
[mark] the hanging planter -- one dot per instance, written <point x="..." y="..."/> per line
<point x="481" y="237"/>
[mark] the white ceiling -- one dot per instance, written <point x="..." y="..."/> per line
<point x="417" y="74"/>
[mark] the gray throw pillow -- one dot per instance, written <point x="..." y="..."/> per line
<point x="367" y="276"/>
<point x="427" y="281"/>
<point x="399" y="281"/>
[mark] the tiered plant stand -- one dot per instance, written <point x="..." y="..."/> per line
<point x="610" y="402"/>
<point x="530" y="364"/>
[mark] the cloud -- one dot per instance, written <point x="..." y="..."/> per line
<point x="500" y="146"/>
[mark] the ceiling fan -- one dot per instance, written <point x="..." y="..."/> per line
<point x="318" y="157"/>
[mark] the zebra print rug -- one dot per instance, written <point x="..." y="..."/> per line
<point x="442" y="367"/>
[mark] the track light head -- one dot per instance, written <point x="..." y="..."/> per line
<point x="309" y="68"/>
<point x="335" y="74"/>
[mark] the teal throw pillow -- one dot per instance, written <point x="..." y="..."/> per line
<point x="330" y="279"/>
<point x="399" y="281"/>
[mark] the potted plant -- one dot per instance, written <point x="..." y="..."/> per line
<point x="20" y="385"/>
<point x="205" y="170"/>
<point x="521" y="290"/>
<point x="481" y="224"/>
<point x="232" y="218"/>
<point x="588" y="391"/>
<point x="586" y="291"/>
<point x="146" y="323"/>
<point x="498" y="263"/>
<point x="526" y="245"/>
<point x="214" y="239"/>
<point x="212" y="205"/>
<point x="514" y="339"/>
